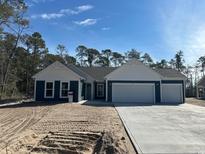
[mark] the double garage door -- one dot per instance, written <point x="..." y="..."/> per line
<point x="145" y="93"/>
<point x="133" y="92"/>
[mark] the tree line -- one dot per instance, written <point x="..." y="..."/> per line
<point x="22" y="55"/>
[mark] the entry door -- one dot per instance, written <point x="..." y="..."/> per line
<point x="142" y="93"/>
<point x="100" y="90"/>
<point x="88" y="91"/>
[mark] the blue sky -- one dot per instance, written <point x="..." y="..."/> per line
<point x="158" y="27"/>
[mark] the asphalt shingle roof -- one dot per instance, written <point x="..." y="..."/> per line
<point x="170" y="73"/>
<point x="98" y="73"/>
<point x="202" y="82"/>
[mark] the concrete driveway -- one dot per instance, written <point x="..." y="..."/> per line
<point x="165" y="129"/>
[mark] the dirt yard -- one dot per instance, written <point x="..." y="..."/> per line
<point x="195" y="101"/>
<point x="62" y="128"/>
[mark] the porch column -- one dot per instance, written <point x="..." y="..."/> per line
<point x="106" y="90"/>
<point x="197" y="92"/>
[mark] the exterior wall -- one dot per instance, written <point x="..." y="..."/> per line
<point x="40" y="91"/>
<point x="201" y="92"/>
<point x="134" y="72"/>
<point x="57" y="74"/>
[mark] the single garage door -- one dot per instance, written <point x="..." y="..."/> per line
<point x="133" y="93"/>
<point x="172" y="93"/>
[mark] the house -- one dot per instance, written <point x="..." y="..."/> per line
<point x="201" y="88"/>
<point x="132" y="82"/>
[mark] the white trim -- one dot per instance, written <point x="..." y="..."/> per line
<point x="154" y="94"/>
<point x="103" y="89"/>
<point x="46" y="89"/>
<point x="61" y="88"/>
<point x="106" y="90"/>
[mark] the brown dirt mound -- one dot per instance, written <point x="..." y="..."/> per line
<point x="77" y="143"/>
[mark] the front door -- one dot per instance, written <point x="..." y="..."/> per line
<point x="88" y="91"/>
<point x="100" y="90"/>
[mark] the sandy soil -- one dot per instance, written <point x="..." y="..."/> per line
<point x="62" y="128"/>
<point x="195" y="101"/>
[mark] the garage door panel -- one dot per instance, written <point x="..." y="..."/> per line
<point x="172" y="93"/>
<point x="132" y="92"/>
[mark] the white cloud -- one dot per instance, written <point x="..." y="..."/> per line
<point x="62" y="12"/>
<point x="48" y="16"/>
<point x="105" y="28"/>
<point x="83" y="8"/>
<point x="183" y="28"/>
<point x="78" y="10"/>
<point x="86" y="22"/>
<point x="68" y="11"/>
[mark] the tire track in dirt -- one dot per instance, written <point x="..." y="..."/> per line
<point x="25" y="118"/>
<point x="6" y="116"/>
<point x="11" y="131"/>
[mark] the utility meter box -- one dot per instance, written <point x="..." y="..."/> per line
<point x="70" y="96"/>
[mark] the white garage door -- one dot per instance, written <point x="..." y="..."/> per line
<point x="133" y="92"/>
<point x="172" y="93"/>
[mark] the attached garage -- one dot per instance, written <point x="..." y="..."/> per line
<point x="172" y="93"/>
<point x="136" y="83"/>
<point x="133" y="92"/>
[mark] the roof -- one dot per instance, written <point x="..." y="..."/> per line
<point x="98" y="73"/>
<point x="202" y="81"/>
<point x="77" y="70"/>
<point x="170" y="73"/>
<point x="58" y="65"/>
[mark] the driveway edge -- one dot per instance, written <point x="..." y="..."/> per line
<point x="129" y="134"/>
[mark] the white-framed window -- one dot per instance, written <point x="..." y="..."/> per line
<point x="49" y="90"/>
<point x="64" y="89"/>
<point x="100" y="90"/>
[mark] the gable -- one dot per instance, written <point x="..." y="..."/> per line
<point x="133" y="70"/>
<point x="202" y="82"/>
<point x="57" y="71"/>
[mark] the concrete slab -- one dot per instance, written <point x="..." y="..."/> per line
<point x="165" y="129"/>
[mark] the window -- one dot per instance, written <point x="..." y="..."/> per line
<point x="49" y="90"/>
<point x="100" y="90"/>
<point x="64" y="89"/>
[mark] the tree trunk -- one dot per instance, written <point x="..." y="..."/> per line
<point x="7" y="68"/>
